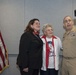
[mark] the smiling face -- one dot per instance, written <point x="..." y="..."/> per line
<point x="48" y="31"/>
<point x="68" y="23"/>
<point x="36" y="26"/>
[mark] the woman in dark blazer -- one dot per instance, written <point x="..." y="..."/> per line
<point x="29" y="58"/>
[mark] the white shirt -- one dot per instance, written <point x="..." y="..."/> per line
<point x="51" y="55"/>
<point x="57" y="47"/>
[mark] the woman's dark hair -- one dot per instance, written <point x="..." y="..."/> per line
<point x="31" y="22"/>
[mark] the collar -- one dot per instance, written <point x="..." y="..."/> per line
<point x="36" y="33"/>
<point x="54" y="37"/>
<point x="73" y="29"/>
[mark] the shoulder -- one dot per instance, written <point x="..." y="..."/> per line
<point x="26" y="35"/>
<point x="73" y="32"/>
<point x="57" y="37"/>
<point x="74" y="29"/>
<point x="41" y="36"/>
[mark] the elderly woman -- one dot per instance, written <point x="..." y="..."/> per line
<point x="51" y="49"/>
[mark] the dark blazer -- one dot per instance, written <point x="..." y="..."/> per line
<point x="30" y="51"/>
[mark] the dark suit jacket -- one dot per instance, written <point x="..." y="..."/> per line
<point x="30" y="51"/>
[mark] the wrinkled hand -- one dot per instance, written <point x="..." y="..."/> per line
<point x="25" y="69"/>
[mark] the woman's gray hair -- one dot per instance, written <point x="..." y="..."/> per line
<point x="45" y="26"/>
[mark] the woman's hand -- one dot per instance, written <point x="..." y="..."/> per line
<point x="25" y="69"/>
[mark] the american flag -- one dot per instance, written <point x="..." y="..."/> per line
<point x="3" y="55"/>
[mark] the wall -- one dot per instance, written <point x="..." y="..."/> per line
<point x="12" y="69"/>
<point x="12" y="23"/>
<point x="15" y="14"/>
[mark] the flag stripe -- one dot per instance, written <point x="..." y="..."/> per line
<point x="3" y="44"/>
<point x="3" y="55"/>
<point x="0" y="67"/>
<point x="2" y="41"/>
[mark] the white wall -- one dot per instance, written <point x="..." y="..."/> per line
<point x="12" y="23"/>
<point x="15" y="14"/>
<point x="12" y="69"/>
